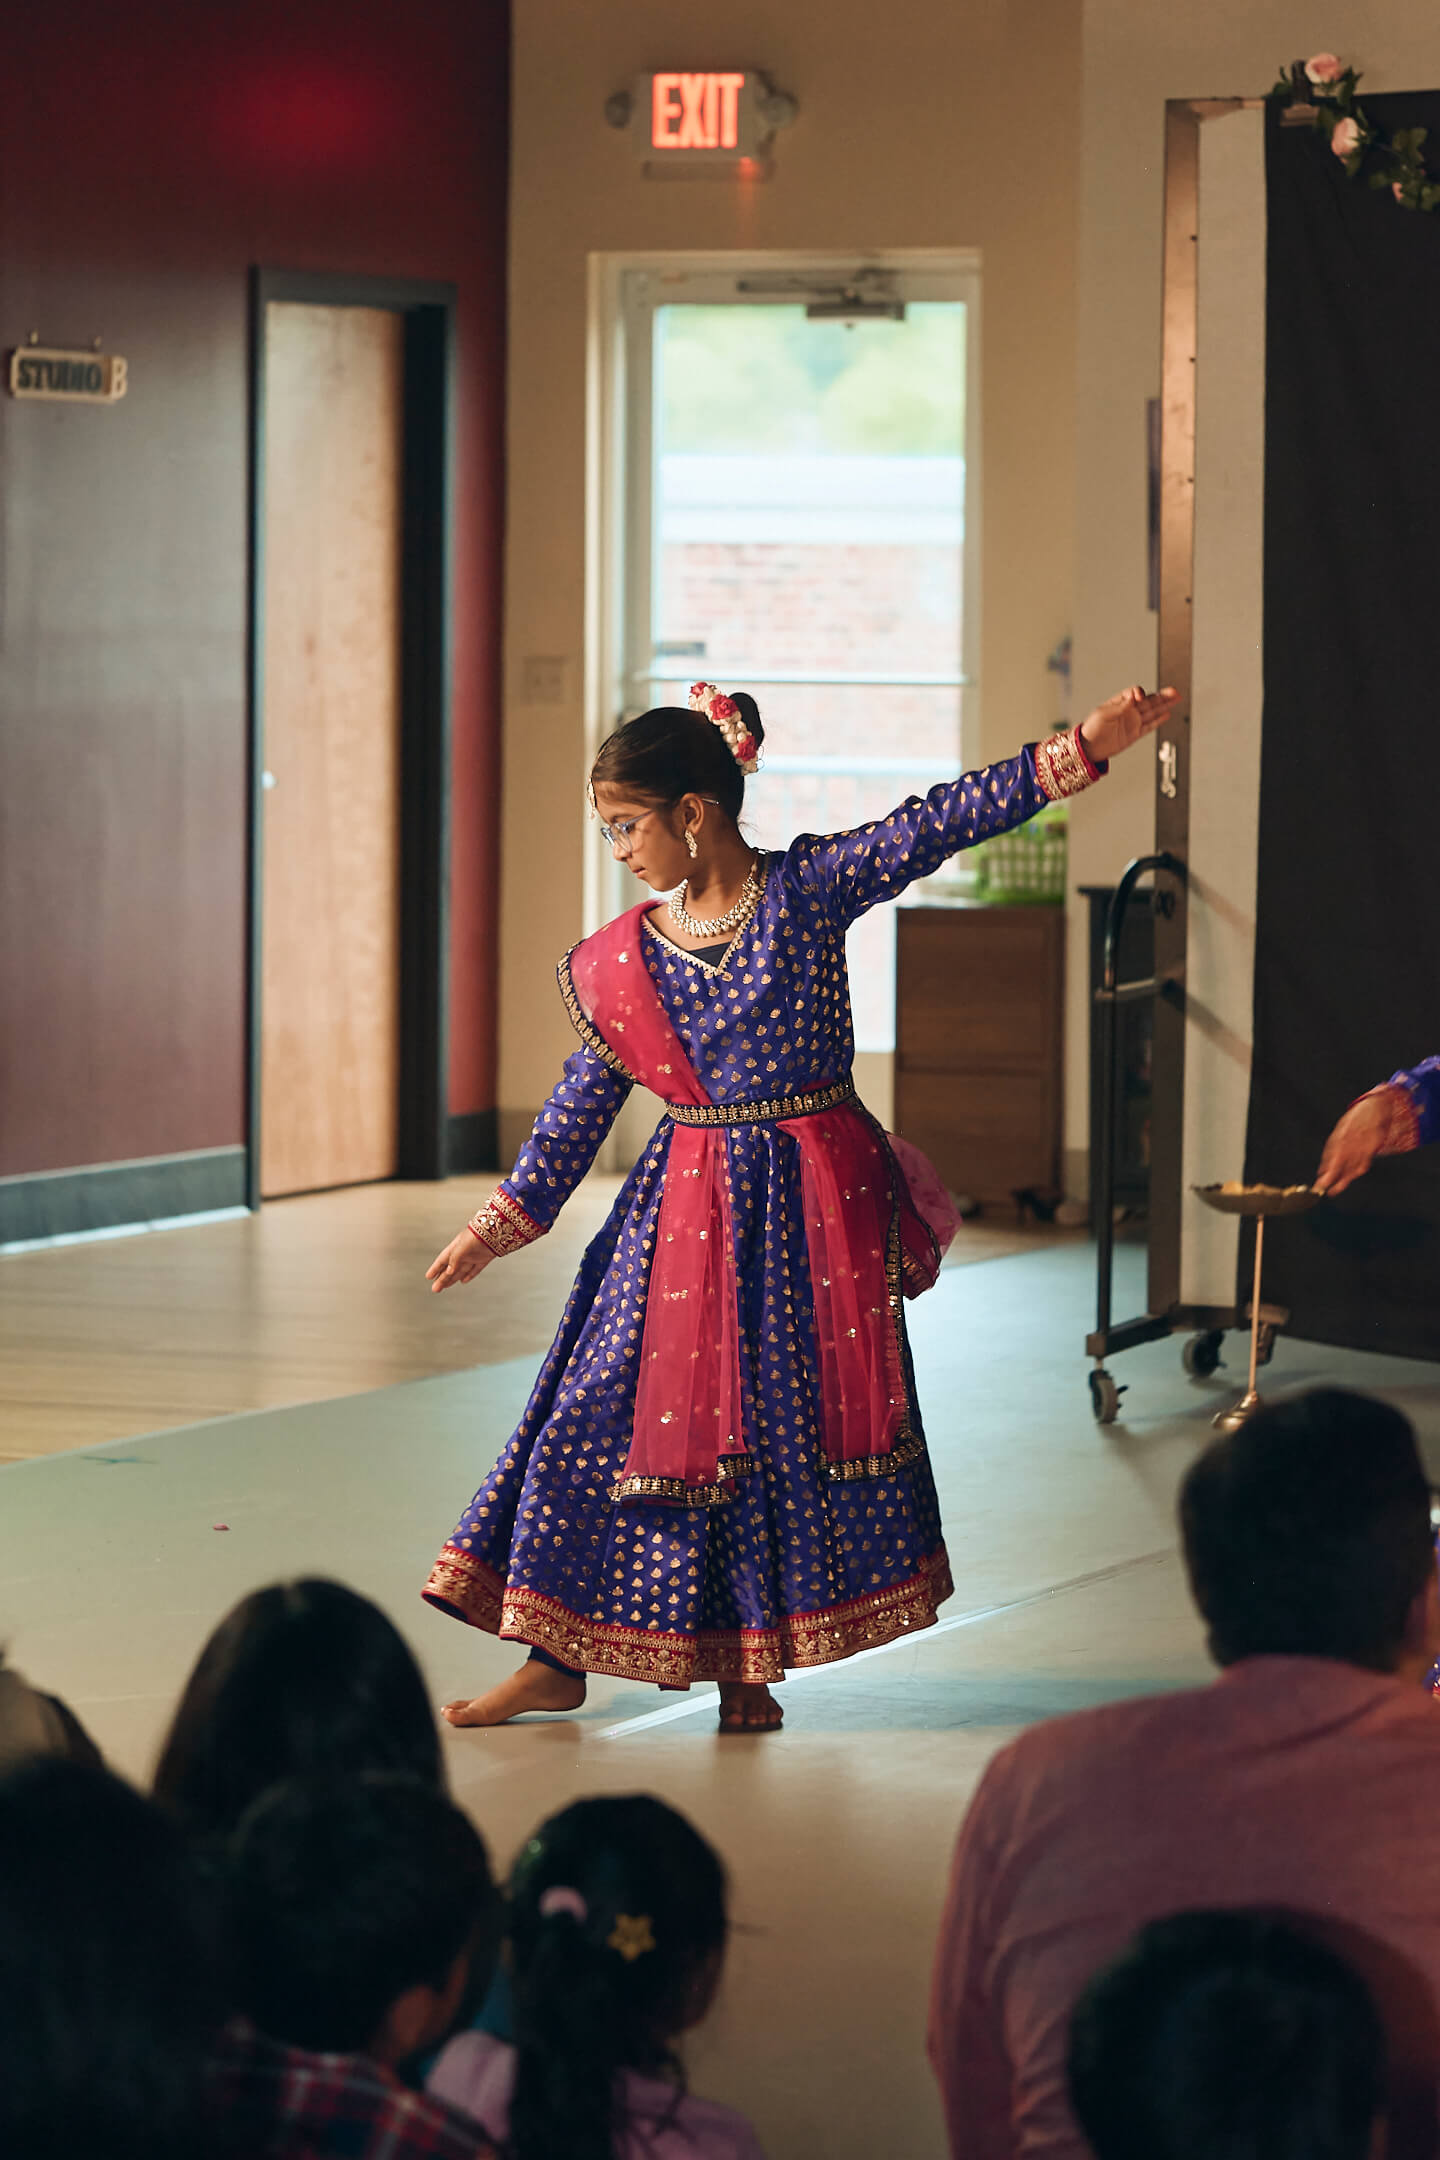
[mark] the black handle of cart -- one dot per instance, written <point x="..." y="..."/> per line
<point x="1109" y="997"/>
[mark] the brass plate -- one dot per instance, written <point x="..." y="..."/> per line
<point x="1259" y="1199"/>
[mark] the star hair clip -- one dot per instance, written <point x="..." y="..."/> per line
<point x="631" y="1936"/>
<point x="723" y="712"/>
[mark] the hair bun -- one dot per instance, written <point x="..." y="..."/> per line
<point x="750" y="714"/>
<point x="737" y="718"/>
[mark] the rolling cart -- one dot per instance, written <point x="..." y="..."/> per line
<point x="1206" y="1325"/>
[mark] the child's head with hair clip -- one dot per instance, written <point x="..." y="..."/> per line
<point x="618" y="1930"/>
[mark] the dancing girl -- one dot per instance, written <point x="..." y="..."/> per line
<point x="722" y="1472"/>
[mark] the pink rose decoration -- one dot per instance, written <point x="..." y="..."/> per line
<point x="723" y="708"/>
<point x="1346" y="138"/>
<point x="698" y="689"/>
<point x="1324" y="67"/>
<point x="745" y="749"/>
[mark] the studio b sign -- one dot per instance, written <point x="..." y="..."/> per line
<point x="687" y="118"/>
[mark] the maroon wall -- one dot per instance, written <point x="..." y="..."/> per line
<point x="149" y="156"/>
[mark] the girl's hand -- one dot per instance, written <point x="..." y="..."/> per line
<point x="462" y="1260"/>
<point x="1353" y="1146"/>
<point x="1124" y="720"/>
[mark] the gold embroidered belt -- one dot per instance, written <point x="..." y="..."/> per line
<point x="773" y="1111"/>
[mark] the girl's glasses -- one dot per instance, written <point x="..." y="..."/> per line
<point x="618" y="835"/>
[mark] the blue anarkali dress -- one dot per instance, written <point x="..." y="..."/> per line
<point x="791" y="1566"/>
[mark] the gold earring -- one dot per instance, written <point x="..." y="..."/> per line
<point x="692" y="844"/>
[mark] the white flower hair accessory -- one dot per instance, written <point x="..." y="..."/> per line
<point x="724" y="713"/>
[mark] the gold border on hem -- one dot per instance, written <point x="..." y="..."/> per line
<point x="799" y="1641"/>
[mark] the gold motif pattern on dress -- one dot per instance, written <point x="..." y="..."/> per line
<point x="504" y="1226"/>
<point x="1062" y="765"/>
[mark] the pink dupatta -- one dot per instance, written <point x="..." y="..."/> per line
<point x="867" y="1239"/>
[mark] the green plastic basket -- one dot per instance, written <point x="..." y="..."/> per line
<point x="1024" y="868"/>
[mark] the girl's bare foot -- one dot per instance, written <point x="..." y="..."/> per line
<point x="533" y="1687"/>
<point x="746" y="1707"/>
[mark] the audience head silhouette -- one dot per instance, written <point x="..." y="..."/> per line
<point x="108" y="2005"/>
<point x="357" y="1910"/>
<point x="1227" y="2036"/>
<point x="1307" y="1534"/>
<point x="300" y="1678"/>
<point x="618" y="1929"/>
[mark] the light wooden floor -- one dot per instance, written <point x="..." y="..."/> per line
<point x="308" y="1299"/>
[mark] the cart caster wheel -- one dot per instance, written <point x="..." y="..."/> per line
<point x="1104" y="1397"/>
<point x="1265" y="1343"/>
<point x="1201" y="1355"/>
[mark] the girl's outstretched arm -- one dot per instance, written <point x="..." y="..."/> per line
<point x="563" y="1143"/>
<point x="877" y="861"/>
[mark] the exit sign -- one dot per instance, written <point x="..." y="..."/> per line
<point x="696" y="112"/>
<point x="685" y="117"/>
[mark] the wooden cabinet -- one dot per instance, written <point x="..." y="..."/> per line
<point x="978" y="1044"/>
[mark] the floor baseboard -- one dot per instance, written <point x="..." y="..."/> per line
<point x="113" y="1196"/>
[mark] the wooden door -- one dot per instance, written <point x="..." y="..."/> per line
<point x="330" y="921"/>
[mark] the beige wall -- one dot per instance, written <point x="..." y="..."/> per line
<point x="921" y="125"/>
<point x="1138" y="53"/>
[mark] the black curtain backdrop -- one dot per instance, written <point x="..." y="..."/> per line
<point x="1347" y="980"/>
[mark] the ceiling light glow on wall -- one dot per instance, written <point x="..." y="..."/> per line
<point x="698" y="121"/>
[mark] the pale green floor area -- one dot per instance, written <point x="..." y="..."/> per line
<point x="837" y="1832"/>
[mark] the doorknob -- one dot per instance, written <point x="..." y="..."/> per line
<point x="267" y="780"/>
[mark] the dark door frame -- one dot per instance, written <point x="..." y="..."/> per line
<point x="425" y="678"/>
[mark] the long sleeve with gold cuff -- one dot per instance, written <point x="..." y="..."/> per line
<point x="563" y="1143"/>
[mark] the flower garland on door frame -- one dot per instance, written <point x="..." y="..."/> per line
<point x="1320" y="93"/>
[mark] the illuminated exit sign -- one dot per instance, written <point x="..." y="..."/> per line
<point x="697" y="119"/>
<point x="702" y="112"/>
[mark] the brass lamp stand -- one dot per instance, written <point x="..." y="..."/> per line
<point x="1258" y="1202"/>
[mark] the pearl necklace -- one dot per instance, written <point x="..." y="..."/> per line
<point x="734" y="918"/>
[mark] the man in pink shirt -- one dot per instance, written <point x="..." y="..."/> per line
<point x="1305" y="1780"/>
